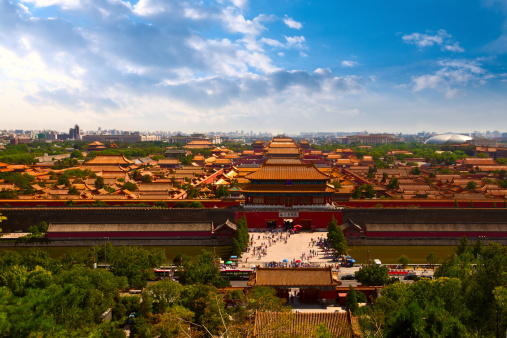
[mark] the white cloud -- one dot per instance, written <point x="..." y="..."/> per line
<point x="65" y="4"/>
<point x="295" y="41"/>
<point x="290" y="22"/>
<point x="303" y="55"/>
<point x="454" y="76"/>
<point x="441" y="38"/>
<point x="271" y="42"/>
<point x="156" y="63"/>
<point x="348" y="63"/>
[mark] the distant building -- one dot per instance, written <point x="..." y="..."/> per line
<point x="74" y="133"/>
<point x="194" y="137"/>
<point x="371" y="139"/>
<point x="121" y="138"/>
<point x="484" y="142"/>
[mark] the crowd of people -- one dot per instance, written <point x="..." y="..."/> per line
<point x="258" y="247"/>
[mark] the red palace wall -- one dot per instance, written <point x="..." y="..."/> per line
<point x="259" y="219"/>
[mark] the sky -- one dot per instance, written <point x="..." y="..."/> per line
<point x="263" y="66"/>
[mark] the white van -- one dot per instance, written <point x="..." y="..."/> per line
<point x="377" y="262"/>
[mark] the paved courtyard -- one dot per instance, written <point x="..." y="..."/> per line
<point x="296" y="245"/>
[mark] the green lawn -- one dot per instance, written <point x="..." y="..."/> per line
<point x="390" y="254"/>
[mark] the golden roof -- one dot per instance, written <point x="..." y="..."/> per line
<point x="290" y="171"/>
<point x="109" y="159"/>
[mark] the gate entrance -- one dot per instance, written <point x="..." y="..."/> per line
<point x="271" y="225"/>
<point x="306" y="224"/>
<point x="288" y="224"/>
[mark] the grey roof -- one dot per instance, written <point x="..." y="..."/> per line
<point x="349" y="223"/>
<point x="448" y="138"/>
<point x="228" y="224"/>
<point x="437" y="227"/>
<point x="126" y="227"/>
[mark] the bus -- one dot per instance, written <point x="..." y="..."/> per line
<point x="164" y="272"/>
<point x="236" y="274"/>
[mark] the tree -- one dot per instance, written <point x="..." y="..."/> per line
<point x="352" y="300"/>
<point x="404" y="260"/>
<point x="336" y="237"/>
<point x="393" y="183"/>
<point x="130" y="186"/>
<point x="165" y="294"/>
<point x="384" y="177"/>
<point x="264" y="299"/>
<point x="374" y="275"/>
<point x="357" y="193"/>
<point x="471" y="185"/>
<point x="203" y="270"/>
<point x="222" y="191"/>
<point x="99" y="182"/>
<point x="76" y="154"/>
<point x="237" y="248"/>
<point x="432" y="258"/>
<point x="146" y="179"/>
<point x="73" y="190"/>
<point x="416" y="171"/>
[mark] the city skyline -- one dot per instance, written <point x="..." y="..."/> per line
<point x="261" y="66"/>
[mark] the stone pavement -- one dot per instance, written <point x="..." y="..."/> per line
<point x="296" y="245"/>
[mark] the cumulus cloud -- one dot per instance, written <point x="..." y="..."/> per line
<point x="348" y="63"/>
<point x="296" y="41"/>
<point x="290" y="22"/>
<point x="452" y="77"/>
<point x="152" y="59"/>
<point x="441" y="38"/>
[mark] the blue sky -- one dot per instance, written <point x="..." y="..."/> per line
<point x="278" y="66"/>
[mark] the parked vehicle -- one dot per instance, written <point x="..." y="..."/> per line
<point x="348" y="277"/>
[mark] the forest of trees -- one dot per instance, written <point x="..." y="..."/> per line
<point x="467" y="298"/>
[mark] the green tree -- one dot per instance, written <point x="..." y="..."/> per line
<point x="471" y="185"/>
<point x="146" y="179"/>
<point x="374" y="275"/>
<point x="203" y="270"/>
<point x="76" y="154"/>
<point x="73" y="190"/>
<point x="336" y="237"/>
<point x="352" y="300"/>
<point x="432" y="258"/>
<point x="404" y="260"/>
<point x="237" y="248"/>
<point x="222" y="191"/>
<point x="264" y="299"/>
<point x="99" y="182"/>
<point x="130" y="186"/>
<point x="165" y="294"/>
<point x="384" y="177"/>
<point x="393" y="183"/>
<point x="416" y="171"/>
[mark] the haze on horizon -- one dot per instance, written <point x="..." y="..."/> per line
<point x="260" y="65"/>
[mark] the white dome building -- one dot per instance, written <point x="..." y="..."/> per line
<point x="448" y="138"/>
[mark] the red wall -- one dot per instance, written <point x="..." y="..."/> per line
<point x="258" y="219"/>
